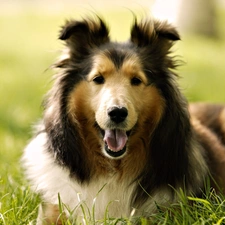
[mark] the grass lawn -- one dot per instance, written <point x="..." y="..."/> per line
<point x="28" y="46"/>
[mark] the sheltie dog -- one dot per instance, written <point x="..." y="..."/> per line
<point x="117" y="135"/>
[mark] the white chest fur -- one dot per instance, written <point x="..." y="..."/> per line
<point x="100" y="196"/>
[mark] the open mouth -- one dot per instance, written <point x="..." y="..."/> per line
<point x="115" y="141"/>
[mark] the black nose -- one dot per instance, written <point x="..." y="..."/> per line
<point x="117" y="114"/>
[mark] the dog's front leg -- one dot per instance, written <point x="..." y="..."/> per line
<point x="49" y="214"/>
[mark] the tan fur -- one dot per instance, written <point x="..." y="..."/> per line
<point x="86" y="100"/>
<point x="222" y="121"/>
<point x="208" y="120"/>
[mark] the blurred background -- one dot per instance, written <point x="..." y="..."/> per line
<point x="29" y="45"/>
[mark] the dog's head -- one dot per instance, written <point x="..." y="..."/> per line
<point x="122" y="90"/>
<point x="120" y="77"/>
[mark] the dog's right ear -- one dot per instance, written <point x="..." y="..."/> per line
<point x="82" y="36"/>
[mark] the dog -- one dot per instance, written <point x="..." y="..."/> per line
<point x="117" y="134"/>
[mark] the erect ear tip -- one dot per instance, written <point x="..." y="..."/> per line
<point x="147" y="30"/>
<point x="65" y="31"/>
<point x="166" y="30"/>
<point x="69" y="28"/>
<point x="172" y="35"/>
<point x="89" y="26"/>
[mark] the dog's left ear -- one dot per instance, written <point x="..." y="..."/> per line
<point x="82" y="36"/>
<point x="149" y="32"/>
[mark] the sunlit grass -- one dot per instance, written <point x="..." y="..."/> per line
<point x="188" y="210"/>
<point x="28" y="46"/>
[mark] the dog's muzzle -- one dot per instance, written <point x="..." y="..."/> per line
<point x="116" y="139"/>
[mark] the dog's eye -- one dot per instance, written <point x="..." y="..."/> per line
<point x="136" y="81"/>
<point x="99" y="80"/>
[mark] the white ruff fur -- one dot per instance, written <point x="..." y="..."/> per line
<point x="105" y="193"/>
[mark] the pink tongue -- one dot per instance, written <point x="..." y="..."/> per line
<point x="115" y="139"/>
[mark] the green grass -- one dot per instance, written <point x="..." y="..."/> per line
<point x="28" y="46"/>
